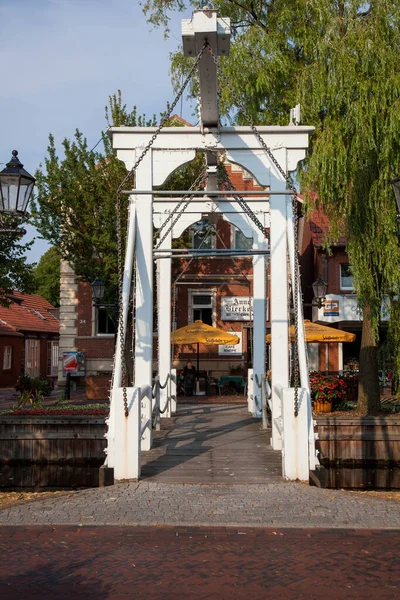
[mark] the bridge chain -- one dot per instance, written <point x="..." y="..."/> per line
<point x="128" y="177"/>
<point x="178" y="211"/>
<point x="296" y="369"/>
<point x="227" y="183"/>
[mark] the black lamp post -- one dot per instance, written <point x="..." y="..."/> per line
<point x="98" y="289"/>
<point x="16" y="187"/>
<point x="319" y="288"/>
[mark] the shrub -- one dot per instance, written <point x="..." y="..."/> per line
<point x="26" y="383"/>
<point x="33" y="390"/>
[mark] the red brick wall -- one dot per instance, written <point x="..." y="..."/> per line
<point x="338" y="257"/>
<point x="97" y="347"/>
<point x="9" y="377"/>
<point x="84" y="320"/>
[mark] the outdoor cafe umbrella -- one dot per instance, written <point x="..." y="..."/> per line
<point x="314" y="332"/>
<point x="200" y="333"/>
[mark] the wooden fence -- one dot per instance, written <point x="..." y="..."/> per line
<point x="360" y="452"/>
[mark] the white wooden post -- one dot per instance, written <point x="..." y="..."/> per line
<point x="144" y="290"/>
<point x="164" y="324"/>
<point x="126" y="290"/>
<point x="297" y="300"/>
<point x="123" y="435"/>
<point x="279" y="306"/>
<point x="259" y="318"/>
<point x="295" y="451"/>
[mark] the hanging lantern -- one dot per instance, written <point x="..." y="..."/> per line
<point x="16" y="187"/>
<point x="98" y="289"/>
<point x="319" y="288"/>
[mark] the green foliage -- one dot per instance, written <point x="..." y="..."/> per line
<point x="47" y="276"/>
<point x="75" y="208"/>
<point x="340" y="61"/>
<point x="15" y="272"/>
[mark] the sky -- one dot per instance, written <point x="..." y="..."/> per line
<point x="61" y="59"/>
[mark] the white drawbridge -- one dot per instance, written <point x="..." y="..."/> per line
<point x="152" y="154"/>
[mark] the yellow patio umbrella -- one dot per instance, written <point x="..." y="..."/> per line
<point x="200" y="333"/>
<point x="315" y="332"/>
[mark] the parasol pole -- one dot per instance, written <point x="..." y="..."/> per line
<point x="198" y="360"/>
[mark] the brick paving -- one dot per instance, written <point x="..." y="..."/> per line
<point x="280" y="504"/>
<point x="198" y="563"/>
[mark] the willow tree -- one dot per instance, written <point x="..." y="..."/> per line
<point x="340" y="60"/>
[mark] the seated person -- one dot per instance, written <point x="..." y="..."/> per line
<point x="189" y="378"/>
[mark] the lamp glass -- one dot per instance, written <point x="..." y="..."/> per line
<point x="319" y="288"/>
<point x="98" y="289"/>
<point x="16" y="187"/>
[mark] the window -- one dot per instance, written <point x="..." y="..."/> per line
<point x="105" y="324"/>
<point x="240" y="241"/>
<point x="202" y="307"/>
<point x="7" y="357"/>
<point x="202" y="236"/>
<point x="313" y="357"/>
<point x="52" y="358"/>
<point x="32" y="357"/>
<point x="346" y="278"/>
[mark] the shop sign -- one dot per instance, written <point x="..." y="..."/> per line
<point x="230" y="349"/>
<point x="236" y="308"/>
<point x="73" y="363"/>
<point x="331" y="308"/>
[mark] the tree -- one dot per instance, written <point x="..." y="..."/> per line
<point x="15" y="272"/>
<point x="75" y="208"/>
<point x="75" y="205"/>
<point x="47" y="276"/>
<point x="340" y="60"/>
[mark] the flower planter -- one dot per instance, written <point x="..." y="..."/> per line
<point x="322" y="406"/>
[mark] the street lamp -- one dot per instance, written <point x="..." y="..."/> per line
<point x="16" y="187"/>
<point x="98" y="289"/>
<point x="319" y="288"/>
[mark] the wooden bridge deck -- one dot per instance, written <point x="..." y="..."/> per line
<point x="212" y="444"/>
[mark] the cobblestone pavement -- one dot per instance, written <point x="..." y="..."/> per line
<point x="198" y="563"/>
<point x="271" y="505"/>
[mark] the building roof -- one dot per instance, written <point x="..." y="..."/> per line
<point x="319" y="227"/>
<point x="28" y="312"/>
<point x="6" y="330"/>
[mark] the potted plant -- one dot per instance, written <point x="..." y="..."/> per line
<point x="326" y="390"/>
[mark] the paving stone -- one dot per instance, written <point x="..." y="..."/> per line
<point x="170" y="563"/>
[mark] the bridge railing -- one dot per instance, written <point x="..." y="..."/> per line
<point x="266" y="395"/>
<point x="158" y="411"/>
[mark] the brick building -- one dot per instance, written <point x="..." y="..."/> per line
<point x="340" y="308"/>
<point x="29" y="334"/>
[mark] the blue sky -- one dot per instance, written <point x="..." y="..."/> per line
<point x="61" y="59"/>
